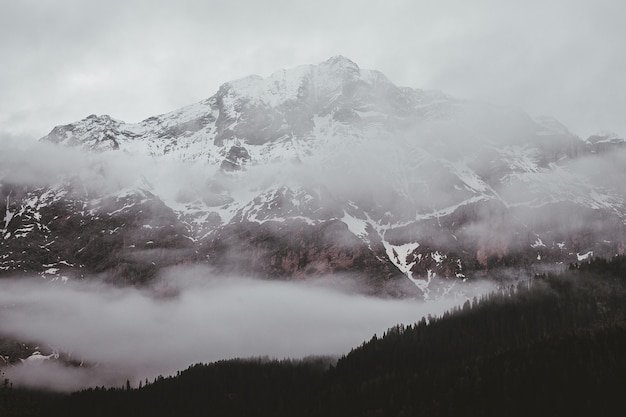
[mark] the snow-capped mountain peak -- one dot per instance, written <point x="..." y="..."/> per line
<point x="289" y="104"/>
<point x="332" y="168"/>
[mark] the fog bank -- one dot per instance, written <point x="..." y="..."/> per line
<point x="188" y="317"/>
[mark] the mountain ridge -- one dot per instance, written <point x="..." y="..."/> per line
<point x="328" y="169"/>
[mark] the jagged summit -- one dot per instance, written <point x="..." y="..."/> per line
<point x="340" y="61"/>
<point x="323" y="81"/>
<point x="289" y="105"/>
<point x="339" y="64"/>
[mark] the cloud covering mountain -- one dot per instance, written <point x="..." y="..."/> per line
<point x="315" y="170"/>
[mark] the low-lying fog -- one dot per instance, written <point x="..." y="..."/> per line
<point x="189" y="316"/>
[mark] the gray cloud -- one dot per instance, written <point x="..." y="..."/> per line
<point x="135" y="334"/>
<point x="67" y="59"/>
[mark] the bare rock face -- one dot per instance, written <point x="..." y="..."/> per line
<point x="127" y="238"/>
<point x="295" y="250"/>
<point x="235" y="159"/>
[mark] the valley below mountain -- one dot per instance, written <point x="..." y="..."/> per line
<point x="315" y="206"/>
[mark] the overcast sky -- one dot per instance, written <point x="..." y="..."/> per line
<point x="61" y="60"/>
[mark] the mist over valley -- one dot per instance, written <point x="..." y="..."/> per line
<point x="296" y="216"/>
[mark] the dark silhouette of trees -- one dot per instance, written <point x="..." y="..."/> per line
<point x="551" y="345"/>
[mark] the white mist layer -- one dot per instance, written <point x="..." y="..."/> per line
<point x="133" y="334"/>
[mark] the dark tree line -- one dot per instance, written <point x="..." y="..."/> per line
<point x="553" y="345"/>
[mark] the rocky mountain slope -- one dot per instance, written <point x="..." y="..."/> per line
<point x="320" y="170"/>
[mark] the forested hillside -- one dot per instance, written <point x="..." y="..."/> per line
<point x="553" y="345"/>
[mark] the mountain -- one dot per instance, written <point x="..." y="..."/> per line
<point x="318" y="171"/>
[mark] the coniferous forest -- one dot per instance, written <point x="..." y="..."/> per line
<point x="553" y="345"/>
